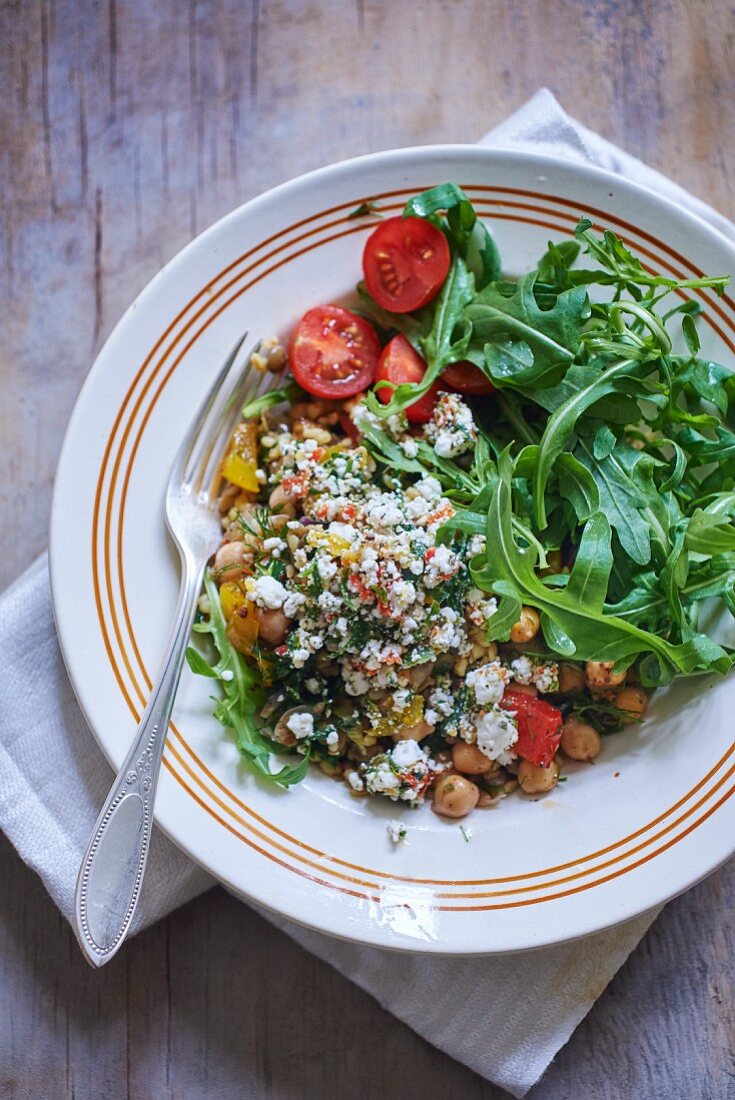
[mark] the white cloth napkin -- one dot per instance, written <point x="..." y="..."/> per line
<point x="53" y="779"/>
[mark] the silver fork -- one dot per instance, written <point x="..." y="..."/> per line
<point x="111" y="874"/>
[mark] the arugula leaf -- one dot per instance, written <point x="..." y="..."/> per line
<point x="711" y="532"/>
<point x="437" y="200"/>
<point x="578" y="486"/>
<point x="470" y="236"/>
<point x="289" y="393"/>
<point x="242" y="696"/>
<point x="198" y="665"/>
<point x="719" y="449"/>
<point x="413" y="326"/>
<point x="562" y="422"/>
<point x="707" y="380"/>
<point x="610" y="251"/>
<point x="515" y="324"/>
<point x="628" y="496"/>
<point x="572" y="625"/>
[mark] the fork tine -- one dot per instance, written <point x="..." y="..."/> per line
<point x="187" y="461"/>
<point x="223" y="417"/>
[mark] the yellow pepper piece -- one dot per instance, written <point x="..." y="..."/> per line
<point x="396" y="719"/>
<point x="232" y="597"/>
<point x="241" y="463"/>
<point x="333" y="543"/>
<point x="242" y="628"/>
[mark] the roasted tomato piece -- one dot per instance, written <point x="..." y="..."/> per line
<point x="539" y="726"/>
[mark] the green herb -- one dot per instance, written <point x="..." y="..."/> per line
<point x="367" y="209"/>
<point x="466" y="833"/>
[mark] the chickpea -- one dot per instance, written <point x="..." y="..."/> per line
<point x="276" y="359"/>
<point x="469" y="759"/>
<point x="571" y="678"/>
<point x="279" y="498"/>
<point x="599" y="674"/>
<point x="273" y="625"/>
<point x="535" y="779"/>
<point x="634" y="699"/>
<point x="527" y="626"/>
<point x="580" y="740"/>
<point x="455" y="796"/>
<point x="416" y="732"/>
<point x="229" y="564"/>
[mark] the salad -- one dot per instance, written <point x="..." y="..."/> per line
<point x="472" y="530"/>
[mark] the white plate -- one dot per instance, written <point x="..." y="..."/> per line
<point x="652" y="816"/>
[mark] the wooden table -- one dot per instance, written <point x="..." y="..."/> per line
<point x="126" y="128"/>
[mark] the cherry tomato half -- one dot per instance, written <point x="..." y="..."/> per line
<point x="348" y="426"/>
<point x="399" y="362"/>
<point x="333" y="352"/>
<point x="465" y="377"/>
<point x="405" y="262"/>
<point x="539" y="726"/>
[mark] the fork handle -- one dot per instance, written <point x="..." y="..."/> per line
<point x="111" y="874"/>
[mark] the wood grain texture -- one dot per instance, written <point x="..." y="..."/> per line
<point x="126" y="128"/>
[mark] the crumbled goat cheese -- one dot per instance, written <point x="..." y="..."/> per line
<point x="332" y="737"/>
<point x="299" y="657"/>
<point x="497" y="732"/>
<point x="479" y="607"/>
<point x="448" y="633"/>
<point x="268" y="592"/>
<point x="383" y="510"/>
<point x="441" y="564"/>
<point x="397" y="831"/>
<point x="429" y="488"/>
<point x="301" y="725"/>
<point x="476" y="545"/>
<point x="401" y="698"/>
<point x="407" y="752"/>
<point x="403" y="774"/>
<point x="292" y="603"/>
<point x="327" y="601"/>
<point x="355" y="781"/>
<point x="325" y="567"/>
<point x="451" y="428"/>
<point x="440" y="704"/>
<point x="488" y="682"/>
<point x="343" y="531"/>
<point x="543" y="674"/>
<point x="410" y="448"/>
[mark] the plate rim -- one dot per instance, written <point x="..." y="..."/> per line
<point x="372" y="160"/>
